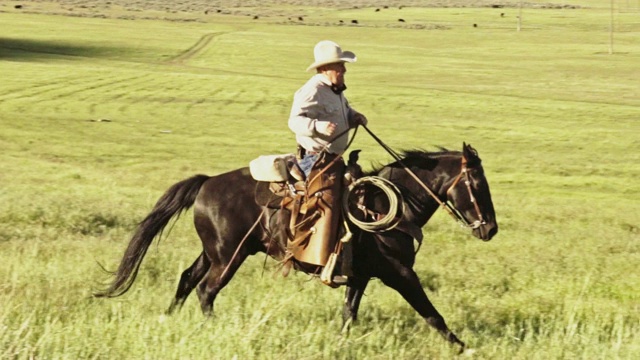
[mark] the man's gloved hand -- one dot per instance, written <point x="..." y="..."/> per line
<point x="359" y="119"/>
<point x="325" y="128"/>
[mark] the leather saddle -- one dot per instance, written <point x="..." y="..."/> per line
<point x="280" y="183"/>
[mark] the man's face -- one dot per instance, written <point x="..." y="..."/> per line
<point x="335" y="73"/>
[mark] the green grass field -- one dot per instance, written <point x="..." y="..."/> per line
<point x="100" y="114"/>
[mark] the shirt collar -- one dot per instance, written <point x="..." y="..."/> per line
<point x="323" y="79"/>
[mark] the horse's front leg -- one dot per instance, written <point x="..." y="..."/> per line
<point x="404" y="280"/>
<point x="352" y="297"/>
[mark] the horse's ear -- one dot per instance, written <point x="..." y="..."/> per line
<point x="465" y="150"/>
<point x="469" y="153"/>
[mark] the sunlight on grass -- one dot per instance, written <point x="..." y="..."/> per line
<point x="102" y="114"/>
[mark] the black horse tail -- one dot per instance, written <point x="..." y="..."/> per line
<point x="178" y="198"/>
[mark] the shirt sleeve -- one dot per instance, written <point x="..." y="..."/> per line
<point x="300" y="120"/>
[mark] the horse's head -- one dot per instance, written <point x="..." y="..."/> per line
<point x="470" y="196"/>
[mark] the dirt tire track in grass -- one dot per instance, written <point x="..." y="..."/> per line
<point x="193" y="50"/>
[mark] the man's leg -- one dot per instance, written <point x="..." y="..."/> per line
<point x="306" y="163"/>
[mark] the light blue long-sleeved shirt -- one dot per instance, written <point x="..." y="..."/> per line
<point x="315" y="102"/>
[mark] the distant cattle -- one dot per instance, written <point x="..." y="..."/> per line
<point x="401" y="20"/>
<point x="354" y="21"/>
<point x="377" y="10"/>
<point x="300" y="18"/>
<point x="18" y="6"/>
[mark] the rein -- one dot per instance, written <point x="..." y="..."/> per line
<point x="451" y="210"/>
<point x="224" y="272"/>
<point x="338" y="156"/>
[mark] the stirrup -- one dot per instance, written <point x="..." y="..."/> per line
<point x="327" y="277"/>
<point x="340" y="280"/>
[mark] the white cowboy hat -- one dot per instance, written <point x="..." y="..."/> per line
<point x="328" y="52"/>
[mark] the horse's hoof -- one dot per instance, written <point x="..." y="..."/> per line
<point x="468" y="352"/>
<point x="346" y="327"/>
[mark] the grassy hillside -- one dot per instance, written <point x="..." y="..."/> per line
<point x="99" y="115"/>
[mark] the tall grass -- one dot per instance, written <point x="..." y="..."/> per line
<point x="99" y="116"/>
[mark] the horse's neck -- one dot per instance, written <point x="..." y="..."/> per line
<point x="422" y="205"/>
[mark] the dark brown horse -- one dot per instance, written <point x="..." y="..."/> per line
<point x="233" y="226"/>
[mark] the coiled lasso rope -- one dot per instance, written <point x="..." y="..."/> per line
<point x="387" y="222"/>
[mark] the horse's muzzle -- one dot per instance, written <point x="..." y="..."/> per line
<point x="486" y="232"/>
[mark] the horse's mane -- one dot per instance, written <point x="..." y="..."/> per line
<point x="413" y="156"/>
<point x="423" y="154"/>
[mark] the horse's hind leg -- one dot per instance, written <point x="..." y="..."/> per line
<point x="218" y="276"/>
<point x="188" y="281"/>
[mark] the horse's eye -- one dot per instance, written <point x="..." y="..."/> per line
<point x="476" y="176"/>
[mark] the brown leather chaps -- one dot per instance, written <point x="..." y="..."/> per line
<point x="316" y="227"/>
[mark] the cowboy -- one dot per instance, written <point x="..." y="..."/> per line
<point x="321" y="118"/>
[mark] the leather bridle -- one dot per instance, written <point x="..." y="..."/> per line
<point x="464" y="171"/>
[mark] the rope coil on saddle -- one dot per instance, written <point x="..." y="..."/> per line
<point x="386" y="222"/>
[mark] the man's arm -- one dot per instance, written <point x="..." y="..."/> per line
<point x="300" y="122"/>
